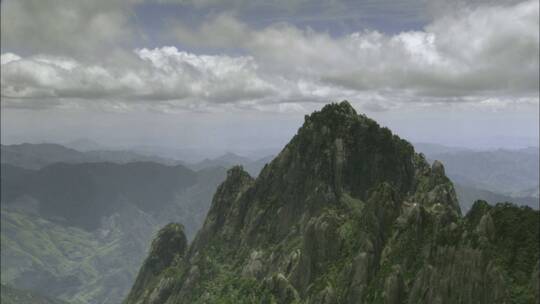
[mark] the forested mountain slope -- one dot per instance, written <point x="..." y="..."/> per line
<point x="346" y="213"/>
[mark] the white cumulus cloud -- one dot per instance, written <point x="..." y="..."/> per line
<point x="472" y="55"/>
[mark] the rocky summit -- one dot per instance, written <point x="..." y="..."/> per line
<point x="346" y="213"/>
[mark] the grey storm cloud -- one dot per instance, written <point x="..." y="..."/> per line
<point x="64" y="27"/>
<point x="87" y="55"/>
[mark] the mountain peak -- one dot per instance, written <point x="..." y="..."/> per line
<point x="334" y="112"/>
<point x="343" y="192"/>
<point x="223" y="204"/>
<point x="169" y="245"/>
<point x="348" y="152"/>
<point x="343" y="107"/>
<point x="238" y="173"/>
<point x="337" y="120"/>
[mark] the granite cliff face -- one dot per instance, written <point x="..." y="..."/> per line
<point x="346" y="213"/>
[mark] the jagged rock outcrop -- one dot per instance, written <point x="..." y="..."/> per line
<point x="168" y="247"/>
<point x="348" y="213"/>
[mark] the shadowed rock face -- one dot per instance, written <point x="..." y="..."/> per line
<point x="169" y="245"/>
<point x="347" y="213"/>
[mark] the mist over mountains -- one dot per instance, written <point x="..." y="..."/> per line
<point x="10" y="295"/>
<point x="269" y="152"/>
<point x="79" y="231"/>
<point x="36" y="156"/>
<point x="493" y="175"/>
<point x="77" y="225"/>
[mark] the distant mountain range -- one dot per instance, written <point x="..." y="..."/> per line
<point x="229" y="160"/>
<point x="10" y="295"/>
<point x="81" y="194"/>
<point x="434" y="149"/>
<point x="36" y="156"/>
<point x="495" y="176"/>
<point x="78" y="231"/>
<point x="468" y="195"/>
<point x="84" y="145"/>
<point x="508" y="172"/>
<point x="76" y="224"/>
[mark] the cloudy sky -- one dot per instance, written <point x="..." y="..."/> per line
<point x="237" y="74"/>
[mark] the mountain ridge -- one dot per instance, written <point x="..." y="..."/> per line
<point x="507" y="172"/>
<point x="346" y="213"/>
<point x="10" y="295"/>
<point x="37" y="156"/>
<point x="78" y="232"/>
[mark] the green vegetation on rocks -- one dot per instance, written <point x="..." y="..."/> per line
<point x="347" y="213"/>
